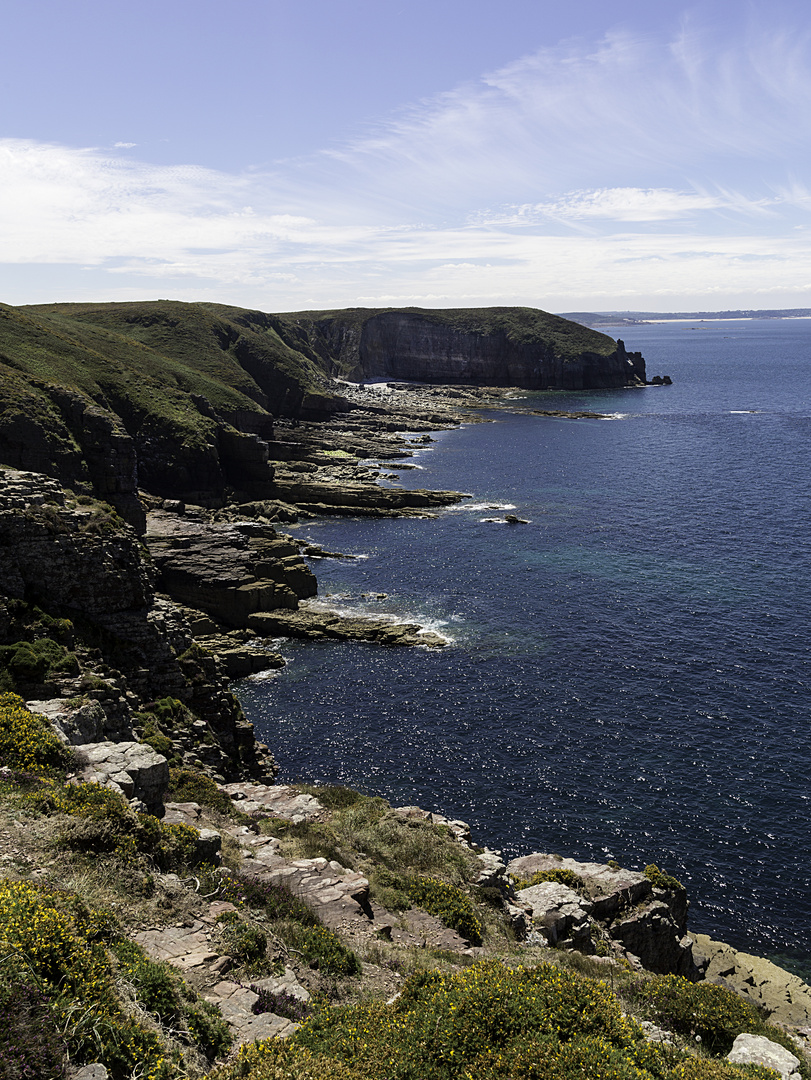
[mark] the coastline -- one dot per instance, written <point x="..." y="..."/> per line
<point x="543" y="915"/>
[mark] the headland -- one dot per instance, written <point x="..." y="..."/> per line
<point x="152" y="455"/>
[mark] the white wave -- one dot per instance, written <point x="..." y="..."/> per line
<point x="494" y="521"/>
<point x="743" y="412"/>
<point x="265" y="676"/>
<point x="484" y="506"/>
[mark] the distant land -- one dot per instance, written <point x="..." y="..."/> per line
<point x="634" y="318"/>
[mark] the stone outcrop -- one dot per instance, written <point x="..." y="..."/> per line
<point x="362" y="500"/>
<point x="783" y="997"/>
<point x="319" y="625"/>
<point x="229" y="571"/>
<point x="621" y="908"/>
<point x="129" y="767"/>
<point x="77" y="564"/>
<point x="495" y="347"/>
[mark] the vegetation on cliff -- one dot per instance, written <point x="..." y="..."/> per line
<point x="76" y="987"/>
<point x="177" y="398"/>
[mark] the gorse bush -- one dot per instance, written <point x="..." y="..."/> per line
<point x="321" y="949"/>
<point x="562" y="876"/>
<point x="191" y="785"/>
<point x="448" y="903"/>
<point x="489" y="1022"/>
<point x="157" y="990"/>
<point x="27" y="742"/>
<point x="660" y="880"/>
<point x="107" y="824"/>
<point x="42" y="941"/>
<point x="713" y="1013"/>
<point x="61" y="974"/>
<point x="245" y="943"/>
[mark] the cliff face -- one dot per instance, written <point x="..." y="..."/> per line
<point x="179" y="400"/>
<point x="406" y="345"/>
<point x="79" y="620"/>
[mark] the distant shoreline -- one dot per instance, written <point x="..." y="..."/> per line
<point x="605" y="319"/>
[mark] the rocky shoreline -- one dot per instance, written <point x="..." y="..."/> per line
<point x="147" y="632"/>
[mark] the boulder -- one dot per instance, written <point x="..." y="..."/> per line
<point x="758" y="1050"/>
<point x="135" y="770"/>
<point x="560" y="914"/>
<point x="84" y="723"/>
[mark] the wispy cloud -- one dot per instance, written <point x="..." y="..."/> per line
<point x="590" y="173"/>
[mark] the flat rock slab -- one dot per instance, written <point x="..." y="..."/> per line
<point x="275" y="800"/>
<point x="283" y="984"/>
<point x="608" y="888"/>
<point x="182" y="946"/>
<point x="236" y="1003"/>
<point x="334" y="893"/>
<point x="422" y="930"/>
<point x="315" y="624"/>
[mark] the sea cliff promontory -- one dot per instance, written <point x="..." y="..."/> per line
<point x="164" y="900"/>
<point x="181" y="400"/>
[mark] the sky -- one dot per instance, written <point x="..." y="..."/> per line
<point x="297" y="154"/>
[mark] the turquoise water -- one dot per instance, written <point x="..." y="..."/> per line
<point x="629" y="673"/>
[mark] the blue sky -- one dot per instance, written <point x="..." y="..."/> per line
<point x="287" y="154"/>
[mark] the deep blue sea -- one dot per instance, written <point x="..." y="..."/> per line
<point x="629" y="673"/>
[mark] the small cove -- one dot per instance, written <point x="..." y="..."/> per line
<point x="629" y="673"/>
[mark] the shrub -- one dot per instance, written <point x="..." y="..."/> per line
<point x="50" y="939"/>
<point x="563" y="877"/>
<point x="246" y="944"/>
<point x="322" y="949"/>
<point x="43" y="941"/>
<point x="208" y="1029"/>
<point x="445" y="1026"/>
<point x="712" y="1012"/>
<point x="32" y="662"/>
<point x="151" y="735"/>
<point x="448" y="903"/>
<point x="190" y="785"/>
<point x="332" y="796"/>
<point x="282" y="1004"/>
<point x="108" y="825"/>
<point x="157" y="991"/>
<point x="661" y="880"/>
<point x="27" y="742"/>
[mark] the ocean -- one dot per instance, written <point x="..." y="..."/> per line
<point x="628" y="674"/>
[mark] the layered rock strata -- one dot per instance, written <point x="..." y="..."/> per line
<point x="81" y="624"/>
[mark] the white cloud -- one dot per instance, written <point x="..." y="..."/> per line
<point x="626" y="168"/>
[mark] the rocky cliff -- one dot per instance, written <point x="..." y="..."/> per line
<point x="494" y="346"/>
<point x="182" y="400"/>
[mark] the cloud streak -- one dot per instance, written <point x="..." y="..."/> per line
<point x="592" y="174"/>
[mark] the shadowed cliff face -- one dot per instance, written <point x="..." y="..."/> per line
<point x="404" y="345"/>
